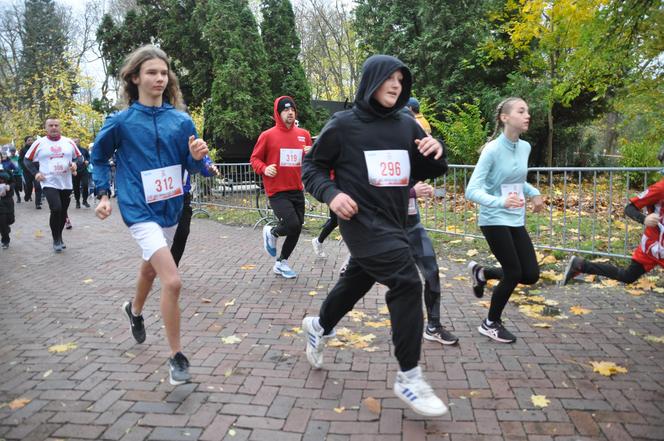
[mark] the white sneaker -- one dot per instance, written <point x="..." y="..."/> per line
<point x="269" y="241"/>
<point x="318" y="248"/>
<point x="282" y="268"/>
<point x="418" y="395"/>
<point x="344" y="265"/>
<point x="315" y="344"/>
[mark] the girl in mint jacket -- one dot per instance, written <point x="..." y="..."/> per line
<point x="498" y="184"/>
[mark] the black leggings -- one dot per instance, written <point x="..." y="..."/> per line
<point x="58" y="203"/>
<point x="182" y="231"/>
<point x="288" y="207"/>
<point x="329" y="226"/>
<point x="626" y="275"/>
<point x="514" y="250"/>
<point x="395" y="269"/>
<point x="81" y="180"/>
<point x="31" y="182"/>
<point x="425" y="258"/>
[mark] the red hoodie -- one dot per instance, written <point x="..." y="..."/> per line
<point x="650" y="253"/>
<point x="283" y="147"/>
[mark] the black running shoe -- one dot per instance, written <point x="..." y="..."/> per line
<point x="572" y="269"/>
<point x="496" y="331"/>
<point x="441" y="335"/>
<point x="478" y="285"/>
<point x="178" y="369"/>
<point x="135" y="323"/>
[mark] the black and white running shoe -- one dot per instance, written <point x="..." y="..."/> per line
<point x="573" y="269"/>
<point x="136" y="324"/>
<point x="178" y="369"/>
<point x="478" y="285"/>
<point x="441" y="335"/>
<point x="496" y="331"/>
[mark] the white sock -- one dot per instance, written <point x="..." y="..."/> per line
<point x="488" y="322"/>
<point x="413" y="373"/>
<point x="134" y="312"/>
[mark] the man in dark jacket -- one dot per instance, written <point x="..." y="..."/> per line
<point x="6" y="207"/>
<point x="81" y="180"/>
<point x="374" y="150"/>
<point x="29" y="178"/>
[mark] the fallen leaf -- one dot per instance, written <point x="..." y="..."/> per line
<point x="232" y="432"/>
<point x="459" y="260"/>
<point x="87" y="281"/>
<point x="653" y="339"/>
<point x="19" y="403"/>
<point x="578" y="310"/>
<point x="539" y="400"/>
<point x="635" y="292"/>
<point x="610" y="282"/>
<point x="372" y="404"/>
<point x="484" y="303"/>
<point x="463" y="278"/>
<point x="232" y="339"/>
<point x="659" y="290"/>
<point x="204" y="300"/>
<point x="383" y="310"/>
<point x="381" y="324"/>
<point x="248" y="267"/>
<point x="339" y="409"/>
<point x="47" y="373"/>
<point x="590" y="278"/>
<point x="297" y="330"/>
<point x="228" y="373"/>
<point x="455" y="241"/>
<point x="607" y="368"/>
<point x="541" y="325"/>
<point x="313" y="293"/>
<point x="230" y="303"/>
<point x="62" y="348"/>
<point x="659" y="310"/>
<point x="356" y="316"/>
<point x="551" y="275"/>
<point x="472" y="253"/>
<point x="39" y="234"/>
<point x="550" y="259"/>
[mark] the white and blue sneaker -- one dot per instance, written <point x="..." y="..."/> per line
<point x="269" y="241"/>
<point x="417" y="393"/>
<point x="282" y="268"/>
<point x="315" y="344"/>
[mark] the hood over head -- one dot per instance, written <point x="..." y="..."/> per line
<point x="278" y="108"/>
<point x="375" y="70"/>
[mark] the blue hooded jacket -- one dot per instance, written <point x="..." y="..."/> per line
<point x="144" y="138"/>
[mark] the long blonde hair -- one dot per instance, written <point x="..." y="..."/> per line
<point x="503" y="107"/>
<point x="132" y="67"/>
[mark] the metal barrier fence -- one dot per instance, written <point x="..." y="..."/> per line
<point x="584" y="211"/>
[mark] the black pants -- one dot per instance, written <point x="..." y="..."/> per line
<point x="288" y="207"/>
<point x="514" y="250"/>
<point x="58" y="203"/>
<point x="30" y="182"/>
<point x="329" y="226"/>
<point x="18" y="187"/>
<point x="395" y="269"/>
<point x="78" y="181"/>
<point x="6" y="220"/>
<point x="182" y="231"/>
<point x="425" y="259"/>
<point x="627" y="275"/>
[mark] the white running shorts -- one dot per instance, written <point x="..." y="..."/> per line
<point x="151" y="237"/>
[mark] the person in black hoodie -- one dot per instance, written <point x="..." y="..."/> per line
<point x="6" y="207"/>
<point x="375" y="149"/>
<point x="29" y="178"/>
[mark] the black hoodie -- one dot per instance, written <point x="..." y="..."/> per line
<point x="379" y="225"/>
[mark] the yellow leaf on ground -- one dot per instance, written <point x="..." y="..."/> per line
<point x="491" y="283"/>
<point x="590" y="278"/>
<point x="578" y="310"/>
<point x="62" y="348"/>
<point x="230" y="303"/>
<point x="600" y="260"/>
<point x="653" y="339"/>
<point x="297" y="330"/>
<point x="463" y="278"/>
<point x="551" y="275"/>
<point x="550" y="259"/>
<point x="659" y="290"/>
<point x="335" y="343"/>
<point x="381" y="324"/>
<point x="383" y="310"/>
<point x="459" y="260"/>
<point x="19" y="403"/>
<point x="339" y="409"/>
<point x="659" y="310"/>
<point x="455" y="241"/>
<point x="635" y="292"/>
<point x="541" y="325"/>
<point x="485" y="303"/>
<point x="232" y="432"/>
<point x="248" y="267"/>
<point x="87" y="281"/>
<point x="646" y="283"/>
<point x="204" y="300"/>
<point x="472" y="253"/>
<point x="372" y="404"/>
<point x="610" y="282"/>
<point x="607" y="368"/>
<point x="357" y="316"/>
<point x="231" y="339"/>
<point x="47" y="373"/>
<point x="39" y="234"/>
<point x="539" y="400"/>
<point x="313" y="293"/>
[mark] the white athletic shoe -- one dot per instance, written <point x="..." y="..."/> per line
<point x="269" y="241"/>
<point x="282" y="268"/>
<point x="315" y="344"/>
<point x="418" y="395"/>
<point x="318" y="248"/>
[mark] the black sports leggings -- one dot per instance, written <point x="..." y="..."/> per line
<point x="514" y="250"/>
<point x="625" y="275"/>
<point x="288" y="207"/>
<point x="58" y="203"/>
<point x="329" y="226"/>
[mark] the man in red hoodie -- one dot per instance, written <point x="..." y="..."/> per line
<point x="277" y="156"/>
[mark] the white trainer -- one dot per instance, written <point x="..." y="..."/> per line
<point x="282" y="268"/>
<point x="318" y="248"/>
<point x="315" y="344"/>
<point x="419" y="395"/>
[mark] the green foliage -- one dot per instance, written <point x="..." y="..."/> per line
<point x="285" y="71"/>
<point x="639" y="154"/>
<point x="464" y="132"/>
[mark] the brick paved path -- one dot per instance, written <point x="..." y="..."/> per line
<point x="262" y="388"/>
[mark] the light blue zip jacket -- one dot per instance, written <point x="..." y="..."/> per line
<point x="144" y="138"/>
<point x="501" y="162"/>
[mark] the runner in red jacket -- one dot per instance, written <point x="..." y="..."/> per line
<point x="277" y="156"/>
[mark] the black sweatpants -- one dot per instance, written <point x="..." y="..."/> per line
<point x="515" y="253"/>
<point x="627" y="275"/>
<point x="18" y="187"/>
<point x="288" y="207"/>
<point x="6" y="219"/>
<point x="425" y="259"/>
<point x="329" y="226"/>
<point x="182" y="231"/>
<point x="78" y="181"/>
<point x="30" y="182"/>
<point x="396" y="269"/>
<point x="58" y="203"/>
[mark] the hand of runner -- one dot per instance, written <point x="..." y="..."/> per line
<point x="40" y="177"/>
<point x="271" y="171"/>
<point x="104" y="208"/>
<point x="198" y="148"/>
<point x="423" y="190"/>
<point x="307" y="149"/>
<point x="344" y="206"/>
<point x="429" y="145"/>
<point x="651" y="220"/>
<point x="514" y="201"/>
<point x="538" y="204"/>
<point x="73" y="168"/>
<point x="213" y="170"/>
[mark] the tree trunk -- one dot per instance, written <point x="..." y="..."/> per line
<point x="549" y="138"/>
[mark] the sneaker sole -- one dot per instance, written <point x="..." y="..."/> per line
<point x="419" y="411"/>
<point x="285" y="276"/>
<point x="440" y="340"/>
<point x="498" y="339"/>
<point x="177" y="382"/>
<point x="568" y="268"/>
